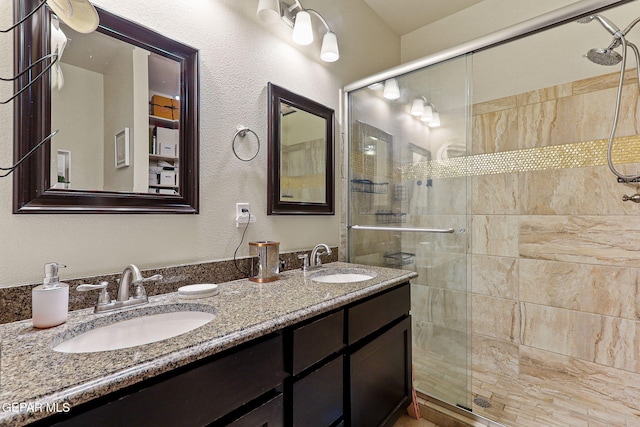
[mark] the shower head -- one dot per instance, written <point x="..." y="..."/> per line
<point x="604" y="56"/>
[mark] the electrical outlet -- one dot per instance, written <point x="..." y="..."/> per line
<point x="243" y="214"/>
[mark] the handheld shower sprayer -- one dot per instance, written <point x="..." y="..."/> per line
<point x="608" y="25"/>
<point x="608" y="56"/>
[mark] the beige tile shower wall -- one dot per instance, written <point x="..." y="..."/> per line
<point x="556" y="258"/>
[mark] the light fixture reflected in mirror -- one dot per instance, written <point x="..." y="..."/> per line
<point x="417" y="107"/>
<point x="435" y="121"/>
<point x="420" y="108"/>
<point x="299" y="19"/>
<point x="427" y="113"/>
<point x="391" y="89"/>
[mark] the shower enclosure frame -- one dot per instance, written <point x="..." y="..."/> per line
<point x="529" y="27"/>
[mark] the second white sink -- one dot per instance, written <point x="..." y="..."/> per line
<point x="135" y="331"/>
<point x="346" y="275"/>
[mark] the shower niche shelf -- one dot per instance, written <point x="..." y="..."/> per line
<point x="398" y="259"/>
<point x="388" y="217"/>
<point x="368" y="186"/>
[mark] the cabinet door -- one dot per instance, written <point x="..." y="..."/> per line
<point x="318" y="397"/>
<point x="380" y="377"/>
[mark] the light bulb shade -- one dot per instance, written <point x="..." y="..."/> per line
<point x="329" y="52"/>
<point x="417" y="107"/>
<point x="427" y="114"/>
<point x="269" y="10"/>
<point x="435" y="122"/>
<point x="391" y="89"/>
<point x="302" y="31"/>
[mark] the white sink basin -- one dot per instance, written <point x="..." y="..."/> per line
<point x="135" y="331"/>
<point x="347" y="275"/>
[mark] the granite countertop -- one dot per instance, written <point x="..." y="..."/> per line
<point x="34" y="379"/>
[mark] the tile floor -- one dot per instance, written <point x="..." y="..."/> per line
<point x="521" y="402"/>
<point x="407" y="421"/>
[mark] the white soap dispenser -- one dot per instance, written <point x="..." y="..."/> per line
<point x="50" y="301"/>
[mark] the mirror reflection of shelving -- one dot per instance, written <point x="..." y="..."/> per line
<point x="164" y="126"/>
<point x="163" y="155"/>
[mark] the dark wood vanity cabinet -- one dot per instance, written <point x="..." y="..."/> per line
<point x="349" y="367"/>
<point x="314" y="391"/>
<point x="236" y="387"/>
<point x="379" y="358"/>
<point x="379" y="378"/>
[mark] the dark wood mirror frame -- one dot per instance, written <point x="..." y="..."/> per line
<point x="32" y="123"/>
<point x="276" y="206"/>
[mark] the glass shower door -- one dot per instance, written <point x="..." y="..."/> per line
<point x="407" y="208"/>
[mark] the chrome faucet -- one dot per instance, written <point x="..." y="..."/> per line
<point x="130" y="276"/>
<point x="316" y="253"/>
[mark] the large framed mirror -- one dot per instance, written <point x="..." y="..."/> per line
<point x="125" y="100"/>
<point x="300" y="159"/>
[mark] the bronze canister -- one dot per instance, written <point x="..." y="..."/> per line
<point x="265" y="265"/>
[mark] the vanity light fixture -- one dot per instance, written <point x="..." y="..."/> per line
<point x="391" y="89"/>
<point x="269" y="10"/>
<point x="299" y="19"/>
<point x="79" y="15"/>
<point x="302" y="31"/>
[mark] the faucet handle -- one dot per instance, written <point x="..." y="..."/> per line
<point x="140" y="292"/>
<point x="86" y="287"/>
<point x="320" y="253"/>
<point x="103" y="297"/>
<point x="305" y="261"/>
<point x="153" y="278"/>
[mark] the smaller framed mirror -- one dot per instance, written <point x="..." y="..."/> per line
<point x="301" y="155"/>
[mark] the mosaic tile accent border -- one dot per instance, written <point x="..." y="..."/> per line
<point x="575" y="155"/>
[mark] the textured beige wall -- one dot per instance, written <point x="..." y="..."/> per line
<point x="238" y="56"/>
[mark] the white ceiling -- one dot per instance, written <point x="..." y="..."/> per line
<point x="405" y="16"/>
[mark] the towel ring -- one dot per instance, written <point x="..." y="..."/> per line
<point x="242" y="131"/>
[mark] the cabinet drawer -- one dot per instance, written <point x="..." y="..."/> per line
<point x="268" y="415"/>
<point x="317" y="340"/>
<point x="318" y="397"/>
<point x="196" y="396"/>
<point x="371" y="315"/>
